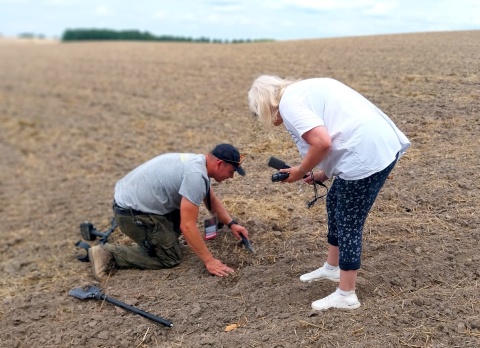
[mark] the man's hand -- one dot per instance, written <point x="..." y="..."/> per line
<point x="237" y="229"/>
<point x="217" y="268"/>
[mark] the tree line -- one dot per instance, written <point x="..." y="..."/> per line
<point x="136" y="35"/>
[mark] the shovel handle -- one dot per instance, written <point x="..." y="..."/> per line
<point x="135" y="310"/>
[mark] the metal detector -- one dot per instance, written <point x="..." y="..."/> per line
<point x="90" y="233"/>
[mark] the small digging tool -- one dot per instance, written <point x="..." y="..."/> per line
<point x="247" y="244"/>
<point x="94" y="292"/>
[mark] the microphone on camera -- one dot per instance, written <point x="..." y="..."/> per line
<point x="277" y="163"/>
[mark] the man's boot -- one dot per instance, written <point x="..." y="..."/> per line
<point x="101" y="261"/>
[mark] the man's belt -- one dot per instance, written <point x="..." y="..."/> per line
<point x="126" y="212"/>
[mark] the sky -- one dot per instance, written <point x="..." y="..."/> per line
<point x="236" y="19"/>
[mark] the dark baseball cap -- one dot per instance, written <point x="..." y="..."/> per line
<point x="228" y="153"/>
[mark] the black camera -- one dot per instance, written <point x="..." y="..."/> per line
<point x="279" y="176"/>
<point x="278" y="164"/>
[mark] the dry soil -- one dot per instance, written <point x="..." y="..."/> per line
<point x="76" y="117"/>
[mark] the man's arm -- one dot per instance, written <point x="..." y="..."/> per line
<point x="189" y="215"/>
<point x="224" y="217"/>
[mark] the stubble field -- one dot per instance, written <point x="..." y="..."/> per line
<point x="77" y="117"/>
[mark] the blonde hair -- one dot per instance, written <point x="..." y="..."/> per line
<point x="264" y="97"/>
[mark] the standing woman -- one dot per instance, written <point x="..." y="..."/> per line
<point x="347" y="137"/>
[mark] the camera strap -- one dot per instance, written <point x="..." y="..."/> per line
<point x="315" y="191"/>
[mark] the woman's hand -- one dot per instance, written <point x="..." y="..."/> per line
<point x="317" y="176"/>
<point x="295" y="174"/>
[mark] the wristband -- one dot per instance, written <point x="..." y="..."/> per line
<point x="233" y="222"/>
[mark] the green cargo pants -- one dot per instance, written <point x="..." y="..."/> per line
<point x="156" y="238"/>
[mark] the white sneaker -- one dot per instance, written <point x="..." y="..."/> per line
<point x="336" y="300"/>
<point x="321" y="273"/>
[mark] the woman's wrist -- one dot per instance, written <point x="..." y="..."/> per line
<point x="300" y="168"/>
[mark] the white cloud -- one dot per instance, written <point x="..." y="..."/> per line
<point x="332" y="4"/>
<point x="62" y="2"/>
<point x="381" y="8"/>
<point x="189" y="17"/>
<point x="103" y="11"/>
<point x="14" y="2"/>
<point x="213" y="18"/>
<point x="160" y="14"/>
<point x="227" y="8"/>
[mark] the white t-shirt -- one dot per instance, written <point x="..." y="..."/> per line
<point x="364" y="140"/>
<point x="158" y="185"/>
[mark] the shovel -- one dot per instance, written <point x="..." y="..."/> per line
<point x="94" y="292"/>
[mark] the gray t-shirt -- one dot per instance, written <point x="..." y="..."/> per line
<point x="158" y="185"/>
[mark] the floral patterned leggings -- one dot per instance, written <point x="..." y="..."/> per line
<point x="348" y="204"/>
